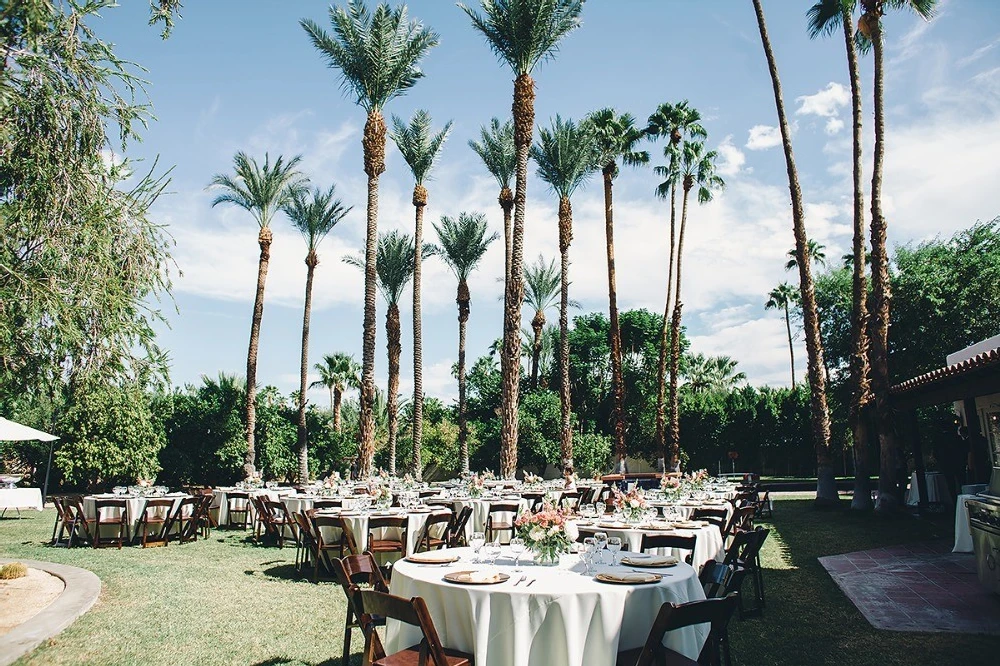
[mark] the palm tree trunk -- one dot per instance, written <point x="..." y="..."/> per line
<point x="264" y="241"/>
<point x="373" y="143"/>
<point x="860" y="389"/>
<point x="791" y="347"/>
<point x="419" y="202"/>
<point x="462" y="299"/>
<point x="331" y="398"/>
<point x="878" y="326"/>
<point x="618" y="384"/>
<point x="506" y="201"/>
<point x="674" y="432"/>
<point x="566" y="411"/>
<point x="661" y="372"/>
<point x="392" y="394"/>
<point x="523" y="109"/>
<point x="537" y="325"/>
<point x="826" y="488"/>
<point x="311" y="261"/>
<point x="338" y="396"/>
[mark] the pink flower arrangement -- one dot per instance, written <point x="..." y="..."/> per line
<point x="670" y="482"/>
<point x="631" y="504"/>
<point x="544" y="533"/>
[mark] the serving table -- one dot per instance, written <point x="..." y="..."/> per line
<point x="557" y="615"/>
<point x="20" y="498"/>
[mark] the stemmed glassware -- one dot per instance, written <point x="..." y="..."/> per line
<point x="587" y="551"/>
<point x="492" y="551"/>
<point x="601" y="508"/>
<point x="615" y="546"/>
<point x="601" y="540"/>
<point x="476" y="542"/>
<point x="517" y="548"/>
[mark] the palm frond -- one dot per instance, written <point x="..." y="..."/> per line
<point x="565" y="154"/>
<point x="462" y="242"/>
<point x="261" y="190"/>
<point x="699" y="165"/>
<point x="827" y="16"/>
<point x="418" y="145"/>
<point x="393" y="264"/>
<point x="616" y="137"/>
<point x="680" y="118"/>
<point x="496" y="149"/>
<point x="541" y="284"/>
<point x="315" y="213"/>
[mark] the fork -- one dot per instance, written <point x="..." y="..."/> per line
<point x="521" y="580"/>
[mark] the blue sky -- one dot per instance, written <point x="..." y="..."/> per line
<point x="243" y="76"/>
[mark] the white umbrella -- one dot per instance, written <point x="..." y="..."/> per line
<point x="11" y="431"/>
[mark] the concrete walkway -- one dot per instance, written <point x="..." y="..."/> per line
<point x="82" y="590"/>
<point x="918" y="587"/>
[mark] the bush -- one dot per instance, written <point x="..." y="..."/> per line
<point x="13" y="570"/>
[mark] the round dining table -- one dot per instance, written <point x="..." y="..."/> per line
<point x="481" y="509"/>
<point x="357" y="522"/>
<point x="134" y="505"/>
<point x="543" y="615"/>
<point x="710" y="545"/>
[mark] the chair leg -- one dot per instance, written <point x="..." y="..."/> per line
<point x="346" y="658"/>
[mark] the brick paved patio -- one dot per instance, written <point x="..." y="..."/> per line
<point x="919" y="587"/>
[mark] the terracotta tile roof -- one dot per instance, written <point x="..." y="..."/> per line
<point x="978" y="362"/>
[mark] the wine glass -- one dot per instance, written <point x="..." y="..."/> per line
<point x="587" y="551"/>
<point x="492" y="551"/>
<point x="477" y="541"/>
<point x="517" y="547"/>
<point x="601" y="508"/>
<point x="615" y="546"/>
<point x="601" y="540"/>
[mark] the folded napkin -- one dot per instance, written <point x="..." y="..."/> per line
<point x="628" y="577"/>
<point x="658" y="525"/>
<point x="690" y="524"/>
<point x="613" y="526"/>
<point x="484" y="576"/>
<point x="650" y="561"/>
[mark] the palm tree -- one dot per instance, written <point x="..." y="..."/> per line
<point x="395" y="268"/>
<point x="496" y="149"/>
<point x="521" y="33"/>
<point x="462" y="244"/>
<point x="420" y="149"/>
<point x="697" y="168"/>
<point x="826" y="489"/>
<point x="616" y="137"/>
<point x="336" y="372"/>
<point x="675" y="122"/>
<point x="314" y="217"/>
<point x="870" y="27"/>
<point x="824" y="18"/>
<point x="378" y="55"/>
<point x="817" y="255"/>
<point x="712" y="373"/>
<point x="541" y="283"/>
<point x="566" y="155"/>
<point x="262" y="191"/>
<point x="783" y="297"/>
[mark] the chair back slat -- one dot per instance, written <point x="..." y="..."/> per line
<point x="676" y="541"/>
<point x="409" y="611"/>
<point x="716" y="612"/>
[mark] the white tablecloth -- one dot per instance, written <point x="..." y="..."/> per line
<point x="20" y="498"/>
<point x="708" y="547"/>
<point x="135" y="507"/>
<point x="937" y="489"/>
<point x="963" y="535"/>
<point x="358" y="524"/>
<point x="564" y="617"/>
<point x="481" y="509"/>
<point x="220" y="500"/>
<point x="687" y="509"/>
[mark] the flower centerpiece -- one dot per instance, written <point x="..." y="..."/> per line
<point x="145" y="486"/>
<point x="381" y="495"/>
<point x="632" y="504"/>
<point x="671" y="486"/>
<point x="330" y="485"/>
<point x="408" y="482"/>
<point x="476" y="486"/>
<point x="254" y="481"/>
<point x="544" y="533"/>
<point x="695" y="481"/>
<point x="488" y="475"/>
<point x="532" y="479"/>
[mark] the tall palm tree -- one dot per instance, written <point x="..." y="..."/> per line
<point x="496" y="149"/>
<point x="712" y="373"/>
<point x="314" y="217"/>
<point x="395" y="268"/>
<point x="616" y="137"/>
<point x="826" y="489"/>
<point x="566" y="155"/>
<point x="378" y="55"/>
<point x="541" y="283"/>
<point x="783" y="297"/>
<point x="697" y="169"/>
<point x="521" y="33"/>
<point x="262" y="191"/>
<point x="673" y="122"/>
<point x="817" y="254"/>
<point x="870" y="27"/>
<point x="824" y="18"/>
<point x="462" y="242"/>
<point x="337" y="372"/>
<point x="420" y="148"/>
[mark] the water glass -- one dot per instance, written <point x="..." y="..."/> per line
<point x="615" y="546"/>
<point x="517" y="547"/>
<point x="601" y="508"/>
<point x="492" y="551"/>
<point x="587" y="553"/>
<point x="601" y="539"/>
<point x="476" y="542"/>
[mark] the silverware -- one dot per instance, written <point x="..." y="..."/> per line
<point x="530" y="582"/>
<point x="520" y="580"/>
<point x="647" y="571"/>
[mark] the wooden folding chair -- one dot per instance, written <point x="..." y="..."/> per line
<point x="381" y="545"/>
<point x="429" y="652"/>
<point x="121" y="521"/>
<point x="237" y="510"/>
<point x="319" y="505"/>
<point x="717" y="517"/>
<point x="671" y="617"/>
<point x="675" y="541"/>
<point x="500" y="518"/>
<point x="342" y="545"/>
<point x="187" y="517"/>
<point x="353" y="571"/>
<point x="457" y="528"/>
<point x="427" y="540"/>
<point x="715" y="578"/>
<point x="156" y="518"/>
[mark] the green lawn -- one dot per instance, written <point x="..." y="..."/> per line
<point x="227" y="601"/>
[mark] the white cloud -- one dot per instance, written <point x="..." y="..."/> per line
<point x="833" y="126"/>
<point x="826" y="103"/>
<point x="733" y="158"/>
<point x="762" y="137"/>
<point x="977" y="54"/>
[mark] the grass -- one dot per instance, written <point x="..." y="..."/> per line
<point x="228" y="601"/>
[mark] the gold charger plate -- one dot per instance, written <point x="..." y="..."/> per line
<point x="425" y="558"/>
<point x="629" y="578"/>
<point x="469" y="578"/>
<point x="613" y="526"/>
<point x="653" y="562"/>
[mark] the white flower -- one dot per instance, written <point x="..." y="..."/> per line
<point x="634" y="503"/>
<point x="536" y="534"/>
<point x="554" y="530"/>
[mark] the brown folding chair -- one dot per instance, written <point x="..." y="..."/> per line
<point x="261" y="516"/>
<point x="424" y="494"/>
<point x="156" y="516"/>
<point x="457" y="528"/>
<point x="188" y="517"/>
<point x="427" y="540"/>
<point x="352" y="571"/>
<point x="343" y="545"/>
<point x="676" y="541"/>
<point x="70" y="521"/>
<point x="319" y="505"/>
<point x="715" y="578"/>
<point x="429" y="652"/>
<point x="277" y="520"/>
<point x="741" y="521"/>
<point x="63" y="522"/>
<point x="764" y="503"/>
<point x="381" y="545"/>
<point x="717" y="517"/>
<point x="716" y="612"/>
<point x="570" y="499"/>
<point x="237" y="510"/>
<point x="500" y="518"/>
<point x="100" y="520"/>
<point x="534" y="500"/>
<point x="306" y="545"/>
